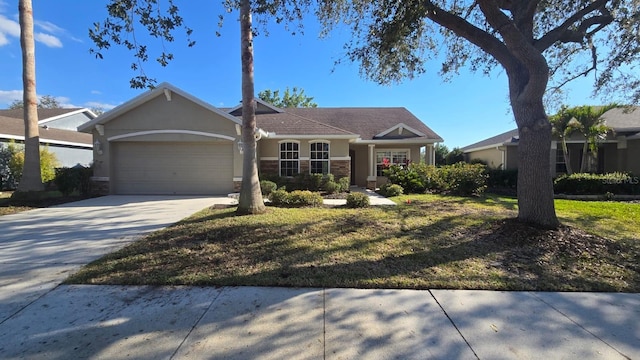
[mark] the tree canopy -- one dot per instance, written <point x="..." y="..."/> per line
<point x="294" y="98"/>
<point x="44" y="102"/>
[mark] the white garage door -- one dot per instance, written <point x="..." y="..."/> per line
<point x="172" y="168"/>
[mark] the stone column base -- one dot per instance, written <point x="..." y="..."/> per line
<point x="237" y="185"/>
<point x="99" y="187"/>
<point x="371" y="184"/>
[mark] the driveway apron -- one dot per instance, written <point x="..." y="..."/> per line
<point x="39" y="248"/>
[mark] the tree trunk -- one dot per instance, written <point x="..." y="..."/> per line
<point x="31" y="177"/>
<point x="567" y="158"/>
<point x="250" y="201"/>
<point x="584" y="166"/>
<point x="535" y="185"/>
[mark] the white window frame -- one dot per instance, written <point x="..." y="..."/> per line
<point x="391" y="151"/>
<point x="281" y="160"/>
<point x="327" y="159"/>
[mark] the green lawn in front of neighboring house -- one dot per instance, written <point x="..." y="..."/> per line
<point x="427" y="241"/>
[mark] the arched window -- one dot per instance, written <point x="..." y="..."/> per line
<point x="289" y="158"/>
<point x="319" y="157"/>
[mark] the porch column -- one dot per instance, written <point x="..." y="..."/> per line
<point x="372" y="178"/>
<point x="430" y="155"/>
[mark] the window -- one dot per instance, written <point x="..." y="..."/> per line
<point x="319" y="155"/>
<point x="386" y="158"/>
<point x="289" y="158"/>
<point x="561" y="166"/>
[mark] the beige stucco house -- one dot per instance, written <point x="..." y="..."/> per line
<point x="166" y="141"/>
<point x="618" y="151"/>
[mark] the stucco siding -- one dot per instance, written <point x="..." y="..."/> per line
<point x="160" y="114"/>
<point x="633" y="156"/>
<point x="70" y="122"/>
<point x="492" y="157"/>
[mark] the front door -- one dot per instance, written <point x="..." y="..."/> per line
<point x="352" y="155"/>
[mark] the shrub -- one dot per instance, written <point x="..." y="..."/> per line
<point x="68" y="180"/>
<point x="497" y="178"/>
<point x="464" y="179"/>
<point x="299" y="198"/>
<point x="15" y="164"/>
<point x="331" y="187"/>
<point x="597" y="184"/>
<point x="357" y="200"/>
<point x="390" y="190"/>
<point x="296" y="198"/>
<point x="279" y="197"/>
<point x="7" y="180"/>
<point x="344" y="183"/>
<point x="410" y="177"/>
<point x="267" y="187"/>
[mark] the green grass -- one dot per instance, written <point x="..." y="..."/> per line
<point x="427" y="241"/>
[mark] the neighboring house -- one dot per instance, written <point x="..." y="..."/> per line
<point x="58" y="118"/>
<point x="166" y="141"/>
<point x="70" y="146"/>
<point x="619" y="151"/>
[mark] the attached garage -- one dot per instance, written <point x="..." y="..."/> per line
<point x="166" y="142"/>
<point x="172" y="168"/>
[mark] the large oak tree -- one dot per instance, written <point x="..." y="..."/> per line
<point x="533" y="41"/>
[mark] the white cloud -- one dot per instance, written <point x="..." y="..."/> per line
<point x="8" y="28"/>
<point x="96" y="92"/>
<point x="8" y="96"/>
<point x="48" y="40"/>
<point x="49" y="27"/>
<point x="11" y="28"/>
<point x="99" y="105"/>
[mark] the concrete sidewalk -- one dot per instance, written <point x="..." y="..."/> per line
<point x="115" y="322"/>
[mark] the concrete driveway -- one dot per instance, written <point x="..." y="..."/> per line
<point x="39" y="248"/>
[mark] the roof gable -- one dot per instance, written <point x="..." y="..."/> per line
<point x="398" y="131"/>
<point x="262" y="107"/>
<point x="164" y="89"/>
<point x="510" y="137"/>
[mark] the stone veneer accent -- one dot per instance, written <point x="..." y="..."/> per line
<point x="237" y="185"/>
<point x="371" y="185"/>
<point x="340" y="168"/>
<point x="100" y="187"/>
<point x="269" y="167"/>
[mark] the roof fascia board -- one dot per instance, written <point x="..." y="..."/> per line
<point x="147" y="96"/>
<point x="258" y="100"/>
<point x="311" y="137"/>
<point x="398" y="126"/>
<point x="48" y="141"/>
<point x="411" y="141"/>
<point x="70" y="113"/>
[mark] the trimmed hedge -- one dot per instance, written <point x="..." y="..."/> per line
<point x="459" y="179"/>
<point x="311" y="182"/>
<point x="616" y="183"/>
<point x="68" y="180"/>
<point x="296" y="198"/>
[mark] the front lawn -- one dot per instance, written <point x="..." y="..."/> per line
<point x="427" y="241"/>
<point x="9" y="205"/>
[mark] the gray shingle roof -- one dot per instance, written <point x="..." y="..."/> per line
<point x="506" y="138"/>
<point x="14" y="127"/>
<point x="365" y="122"/>
<point x="42" y="113"/>
<point x="623" y="119"/>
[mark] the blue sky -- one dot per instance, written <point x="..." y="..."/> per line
<point x="468" y="109"/>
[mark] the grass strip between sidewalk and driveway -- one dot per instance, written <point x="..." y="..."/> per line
<point x="427" y="241"/>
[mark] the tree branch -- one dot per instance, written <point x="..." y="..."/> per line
<point x="563" y="30"/>
<point x="487" y="42"/>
